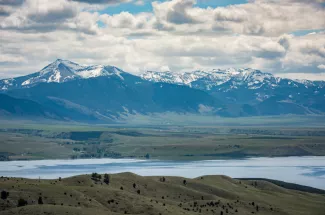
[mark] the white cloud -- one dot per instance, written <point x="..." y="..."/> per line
<point x="303" y="76"/>
<point x="139" y="2"/>
<point x="176" y="36"/>
<point x="103" y="1"/>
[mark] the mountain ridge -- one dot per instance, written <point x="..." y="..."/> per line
<point x="64" y="70"/>
<point x="83" y="92"/>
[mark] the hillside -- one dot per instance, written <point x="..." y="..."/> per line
<point x="109" y="98"/>
<point x="127" y="193"/>
<point x="21" y="108"/>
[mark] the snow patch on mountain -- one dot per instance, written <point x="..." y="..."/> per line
<point x="220" y="80"/>
<point x="61" y="71"/>
<point x="254" y="79"/>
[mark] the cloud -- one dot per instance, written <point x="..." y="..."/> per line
<point x="102" y="1"/>
<point x="230" y="14"/>
<point x="127" y="20"/>
<point x="4" y="11"/>
<point x="177" y="12"/>
<point x="177" y="35"/>
<point x="8" y="6"/>
<point x="303" y="76"/>
<point x="48" y="15"/>
<point x="139" y="2"/>
<point x="321" y="66"/>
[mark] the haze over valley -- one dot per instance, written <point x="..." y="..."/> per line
<point x="165" y="107"/>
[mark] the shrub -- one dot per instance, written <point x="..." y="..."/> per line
<point x="96" y="176"/>
<point x="40" y="200"/>
<point x="4" y="195"/>
<point x="22" y="202"/>
<point x="147" y="156"/>
<point x="184" y="182"/>
<point x="107" y="178"/>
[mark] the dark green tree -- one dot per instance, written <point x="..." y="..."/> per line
<point x="147" y="156"/>
<point x="107" y="178"/>
<point x="22" y="202"/>
<point x="4" y="195"/>
<point x="40" y="200"/>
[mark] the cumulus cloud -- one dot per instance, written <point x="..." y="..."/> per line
<point x="35" y="13"/>
<point x="127" y="20"/>
<point x="4" y="11"/>
<point x="177" y="36"/>
<point x="102" y="1"/>
<point x="259" y="17"/>
<point x="321" y="66"/>
<point x="48" y="16"/>
<point x="8" y="6"/>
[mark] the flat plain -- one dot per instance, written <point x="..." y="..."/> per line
<point x="48" y="141"/>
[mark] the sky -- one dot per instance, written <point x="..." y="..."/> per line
<point x="283" y="37"/>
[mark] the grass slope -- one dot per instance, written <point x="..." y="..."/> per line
<point x="132" y="194"/>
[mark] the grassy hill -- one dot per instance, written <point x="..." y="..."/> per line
<point x="127" y="193"/>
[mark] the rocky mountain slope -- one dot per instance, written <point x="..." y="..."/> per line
<point x="105" y="92"/>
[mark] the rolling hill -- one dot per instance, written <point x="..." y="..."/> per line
<point x="127" y="193"/>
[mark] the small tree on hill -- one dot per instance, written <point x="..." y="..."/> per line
<point x="184" y="182"/>
<point x="4" y="195"/>
<point x="95" y="176"/>
<point x="40" y="200"/>
<point x="147" y="156"/>
<point x="22" y="202"/>
<point x="107" y="178"/>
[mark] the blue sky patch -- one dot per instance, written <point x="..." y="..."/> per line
<point x="147" y="6"/>
<point x="305" y="32"/>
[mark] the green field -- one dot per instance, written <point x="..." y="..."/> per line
<point x="127" y="193"/>
<point x="166" y="142"/>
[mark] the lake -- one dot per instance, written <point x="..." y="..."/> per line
<point x="308" y="171"/>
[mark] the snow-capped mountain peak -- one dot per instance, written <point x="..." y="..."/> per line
<point x="212" y="78"/>
<point x="220" y="80"/>
<point x="60" y="71"/>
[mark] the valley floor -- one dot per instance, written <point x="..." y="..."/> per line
<point x="34" y="142"/>
<point x="127" y="193"/>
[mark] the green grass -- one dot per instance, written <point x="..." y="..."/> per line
<point x="152" y="195"/>
<point x="160" y="142"/>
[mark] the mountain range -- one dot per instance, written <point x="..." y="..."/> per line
<point x="64" y="90"/>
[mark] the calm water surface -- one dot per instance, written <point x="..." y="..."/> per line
<point x="308" y="171"/>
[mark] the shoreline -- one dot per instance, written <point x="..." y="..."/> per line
<point x="307" y="171"/>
